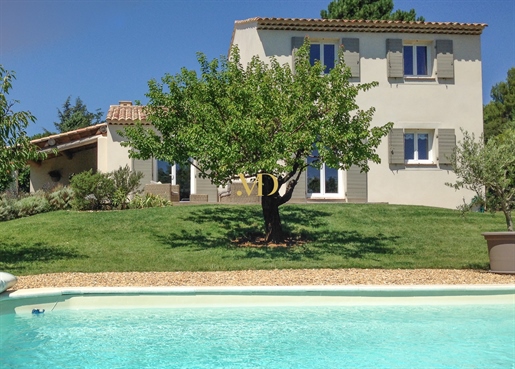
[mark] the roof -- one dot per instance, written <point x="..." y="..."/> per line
<point x="126" y="114"/>
<point x="71" y="136"/>
<point x="345" y="25"/>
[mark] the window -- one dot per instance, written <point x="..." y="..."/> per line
<point x="416" y="60"/>
<point x="175" y="175"/>
<point x="326" y="53"/>
<point x="418" y="147"/>
<point x="323" y="182"/>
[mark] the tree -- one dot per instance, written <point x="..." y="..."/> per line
<point x="488" y="170"/>
<point x="258" y="119"/>
<point x="43" y="134"/>
<point x="368" y="9"/>
<point x="15" y="146"/>
<point x="75" y="117"/>
<point x="499" y="114"/>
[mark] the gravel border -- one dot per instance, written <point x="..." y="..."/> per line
<point x="282" y="277"/>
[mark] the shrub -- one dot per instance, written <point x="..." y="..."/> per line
<point x="95" y="191"/>
<point x="148" y="201"/>
<point x="32" y="205"/>
<point x="92" y="191"/>
<point x="7" y="211"/>
<point x="479" y="166"/>
<point x="60" y="198"/>
<point x="125" y="184"/>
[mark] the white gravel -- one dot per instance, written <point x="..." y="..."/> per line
<point x="284" y="277"/>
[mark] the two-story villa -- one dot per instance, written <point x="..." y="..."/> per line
<point x="430" y="86"/>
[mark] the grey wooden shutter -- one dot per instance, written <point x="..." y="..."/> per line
<point x="296" y="43"/>
<point x="396" y="146"/>
<point x="356" y="185"/>
<point x="444" y="59"/>
<point x="351" y="54"/>
<point x="145" y="167"/>
<point x="446" y="145"/>
<point x="394" y="58"/>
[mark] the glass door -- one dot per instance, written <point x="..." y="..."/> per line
<point x="176" y="175"/>
<point x="324" y="182"/>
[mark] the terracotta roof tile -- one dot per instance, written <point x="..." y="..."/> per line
<point x="339" y="25"/>
<point x="126" y="114"/>
<point x="75" y="135"/>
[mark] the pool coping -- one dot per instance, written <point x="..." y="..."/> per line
<point x="323" y="290"/>
<point x="25" y="301"/>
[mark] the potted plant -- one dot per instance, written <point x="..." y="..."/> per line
<point x="489" y="170"/>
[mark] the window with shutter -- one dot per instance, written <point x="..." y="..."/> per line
<point x="446" y="144"/>
<point x="396" y="146"/>
<point x="296" y="43"/>
<point x="351" y="55"/>
<point x="394" y="57"/>
<point x="444" y="59"/>
<point x="326" y="53"/>
<point x="418" y="147"/>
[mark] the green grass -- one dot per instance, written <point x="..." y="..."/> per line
<point x="199" y="238"/>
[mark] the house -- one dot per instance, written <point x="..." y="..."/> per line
<point x="430" y="86"/>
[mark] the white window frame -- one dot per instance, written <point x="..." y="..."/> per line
<point x="429" y="57"/>
<point x="430" y="151"/>
<point x="173" y="175"/>
<point x="322" y="194"/>
<point x="323" y="42"/>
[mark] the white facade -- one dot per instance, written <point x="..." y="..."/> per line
<point x="437" y="103"/>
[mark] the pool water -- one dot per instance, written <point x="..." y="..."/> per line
<point x="464" y="336"/>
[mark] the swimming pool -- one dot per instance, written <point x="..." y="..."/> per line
<point x="412" y="327"/>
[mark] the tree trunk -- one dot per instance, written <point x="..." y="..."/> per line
<point x="509" y="221"/>
<point x="270" y="206"/>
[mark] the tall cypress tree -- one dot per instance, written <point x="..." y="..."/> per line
<point x="77" y="116"/>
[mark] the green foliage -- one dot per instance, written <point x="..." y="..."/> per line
<point x="36" y="203"/>
<point x="31" y="204"/>
<point x="92" y="191"/>
<point x="103" y="191"/>
<point x="148" y="201"/>
<point x="499" y="114"/>
<point x="24" y="179"/>
<point x="258" y="118"/>
<point x="43" y="134"/>
<point x="77" y="116"/>
<point x="489" y="166"/>
<point x="7" y="209"/>
<point x="15" y="146"/>
<point x="368" y="10"/>
<point x="126" y="182"/>
<point x="60" y="198"/>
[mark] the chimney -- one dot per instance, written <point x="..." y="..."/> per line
<point x="125" y="103"/>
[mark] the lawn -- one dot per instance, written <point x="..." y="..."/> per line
<point x="200" y="238"/>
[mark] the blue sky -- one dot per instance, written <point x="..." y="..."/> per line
<point x="106" y="50"/>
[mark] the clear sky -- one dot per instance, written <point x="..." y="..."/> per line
<point x="105" y="51"/>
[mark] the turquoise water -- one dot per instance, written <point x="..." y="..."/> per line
<point x="471" y="336"/>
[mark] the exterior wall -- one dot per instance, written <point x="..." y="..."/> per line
<point x="411" y="103"/>
<point x="116" y="156"/>
<point x="112" y="156"/>
<point x="299" y="192"/>
<point x="203" y="186"/>
<point x="81" y="161"/>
